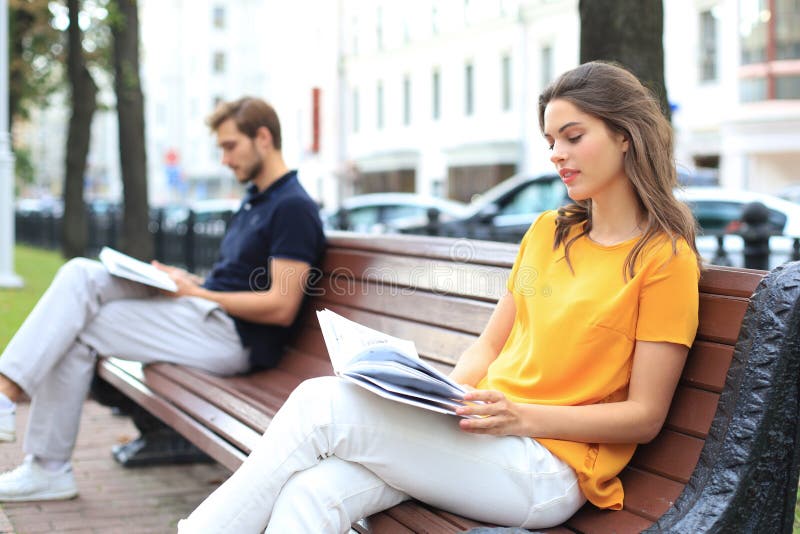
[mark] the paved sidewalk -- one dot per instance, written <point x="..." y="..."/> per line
<point x="112" y="499"/>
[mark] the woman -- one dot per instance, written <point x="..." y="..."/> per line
<point x="578" y="363"/>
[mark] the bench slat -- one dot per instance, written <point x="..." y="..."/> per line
<point x="730" y="281"/>
<point x="419" y="518"/>
<point x="647" y="494"/>
<point x="120" y="377"/>
<point x="707" y="365"/>
<point x="434" y="343"/>
<point x="671" y="454"/>
<point x="241" y="435"/>
<point x="596" y="521"/>
<point x="692" y="411"/>
<point x="234" y="405"/>
<point x="720" y="318"/>
<point x="466" y="315"/>
<point x="460" y="279"/>
<point x="483" y="252"/>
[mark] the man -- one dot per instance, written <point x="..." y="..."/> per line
<point x="235" y="320"/>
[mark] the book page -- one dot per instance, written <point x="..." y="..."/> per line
<point x="125" y="266"/>
<point x="345" y="339"/>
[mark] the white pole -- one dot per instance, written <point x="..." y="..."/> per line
<point x="7" y="276"/>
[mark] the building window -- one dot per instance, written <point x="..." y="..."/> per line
<point x="406" y="100"/>
<point x="355" y="36"/>
<point x="379" y="28"/>
<point x="469" y="89"/>
<point x="218" y="63"/>
<point x="708" y="46"/>
<point x="379" y="102"/>
<point x="436" y="83"/>
<point x="218" y="16"/>
<point x="356" y="107"/>
<point x="506" y="88"/>
<point x="770" y="44"/>
<point x="546" y="65"/>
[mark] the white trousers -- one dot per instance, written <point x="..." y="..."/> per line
<point x="335" y="453"/>
<point x="86" y="312"/>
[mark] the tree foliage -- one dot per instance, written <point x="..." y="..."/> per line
<point x="36" y="53"/>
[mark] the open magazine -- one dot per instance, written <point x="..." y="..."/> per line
<point x="122" y="265"/>
<point x="387" y="366"/>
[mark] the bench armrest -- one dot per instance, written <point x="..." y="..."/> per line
<point x="746" y="478"/>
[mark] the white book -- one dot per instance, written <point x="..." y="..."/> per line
<point x="124" y="266"/>
<point x="387" y="366"/>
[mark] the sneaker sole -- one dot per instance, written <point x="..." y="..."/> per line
<point x="49" y="496"/>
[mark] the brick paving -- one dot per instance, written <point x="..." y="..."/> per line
<point x="111" y="498"/>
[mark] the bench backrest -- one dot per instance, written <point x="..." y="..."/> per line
<point x="440" y="293"/>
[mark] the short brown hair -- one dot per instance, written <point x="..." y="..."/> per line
<point x="249" y="114"/>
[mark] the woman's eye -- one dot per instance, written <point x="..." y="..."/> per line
<point x="575" y="139"/>
<point x="550" y="146"/>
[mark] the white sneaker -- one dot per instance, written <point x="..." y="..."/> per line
<point x="8" y="424"/>
<point x="31" y="482"/>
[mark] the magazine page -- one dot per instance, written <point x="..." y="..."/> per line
<point x="432" y="404"/>
<point x="345" y="339"/>
<point x="415" y="370"/>
<point x="124" y="266"/>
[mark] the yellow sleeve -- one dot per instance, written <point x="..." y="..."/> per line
<point x="668" y="302"/>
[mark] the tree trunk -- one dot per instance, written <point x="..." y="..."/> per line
<point x="629" y="32"/>
<point x="135" y="238"/>
<point x="84" y="92"/>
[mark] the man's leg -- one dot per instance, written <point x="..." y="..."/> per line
<point x="78" y="291"/>
<point x="161" y="329"/>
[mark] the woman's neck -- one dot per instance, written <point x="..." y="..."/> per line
<point x="616" y="219"/>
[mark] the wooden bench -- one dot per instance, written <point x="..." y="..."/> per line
<point x="727" y="458"/>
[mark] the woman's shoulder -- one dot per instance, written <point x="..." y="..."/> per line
<point x="672" y="253"/>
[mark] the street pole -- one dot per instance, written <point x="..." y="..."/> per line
<point x="7" y="276"/>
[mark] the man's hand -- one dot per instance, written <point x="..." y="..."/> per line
<point x="498" y="416"/>
<point x="188" y="283"/>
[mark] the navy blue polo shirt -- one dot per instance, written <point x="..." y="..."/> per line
<point x="280" y="222"/>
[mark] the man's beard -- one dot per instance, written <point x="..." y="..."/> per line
<point x="255" y="169"/>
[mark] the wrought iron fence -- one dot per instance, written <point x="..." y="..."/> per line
<point x="189" y="243"/>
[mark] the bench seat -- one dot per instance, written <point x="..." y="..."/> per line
<point x="440" y="293"/>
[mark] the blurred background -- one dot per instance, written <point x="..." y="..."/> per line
<point x="417" y="116"/>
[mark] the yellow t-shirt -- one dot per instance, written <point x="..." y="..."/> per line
<point x="574" y="334"/>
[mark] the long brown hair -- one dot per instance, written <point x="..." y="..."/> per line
<point x="615" y="96"/>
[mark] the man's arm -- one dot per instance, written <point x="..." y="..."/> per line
<point x="278" y="305"/>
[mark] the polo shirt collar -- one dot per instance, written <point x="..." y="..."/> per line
<point x="253" y="194"/>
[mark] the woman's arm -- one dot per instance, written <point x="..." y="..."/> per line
<point x="474" y="362"/>
<point x="656" y="370"/>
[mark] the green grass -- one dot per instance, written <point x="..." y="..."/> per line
<point x="37" y="268"/>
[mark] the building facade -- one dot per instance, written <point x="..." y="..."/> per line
<point x="434" y="96"/>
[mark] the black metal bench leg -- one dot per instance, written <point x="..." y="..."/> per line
<point x="157" y="444"/>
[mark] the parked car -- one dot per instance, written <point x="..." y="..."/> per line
<point x="385" y="212"/>
<point x="504" y="212"/>
<point x="719" y="210"/>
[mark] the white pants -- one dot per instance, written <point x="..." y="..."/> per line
<point x="335" y="453"/>
<point x="86" y="312"/>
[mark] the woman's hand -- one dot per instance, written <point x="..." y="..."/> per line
<point x="498" y="415"/>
